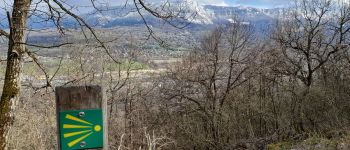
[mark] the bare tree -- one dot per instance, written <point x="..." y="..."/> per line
<point x="308" y="39"/>
<point x="16" y="50"/>
<point x="202" y="84"/>
<point x="55" y="11"/>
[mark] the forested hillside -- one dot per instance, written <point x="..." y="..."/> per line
<point x="180" y="75"/>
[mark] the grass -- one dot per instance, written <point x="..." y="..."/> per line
<point x="314" y="142"/>
<point x="71" y="67"/>
<point x="280" y="146"/>
<point x="125" y="65"/>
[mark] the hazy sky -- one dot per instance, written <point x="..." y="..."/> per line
<point x="259" y="3"/>
<point x="254" y="3"/>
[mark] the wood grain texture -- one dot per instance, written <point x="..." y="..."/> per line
<point x="81" y="97"/>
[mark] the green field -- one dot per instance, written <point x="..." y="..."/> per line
<point x="68" y="67"/>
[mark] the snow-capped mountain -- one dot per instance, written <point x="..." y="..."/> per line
<point x="195" y="14"/>
<point x="243" y="13"/>
<point x="185" y="10"/>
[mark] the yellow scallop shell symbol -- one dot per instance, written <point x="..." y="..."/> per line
<point x="87" y="129"/>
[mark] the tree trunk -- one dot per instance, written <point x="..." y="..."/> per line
<point x="12" y="84"/>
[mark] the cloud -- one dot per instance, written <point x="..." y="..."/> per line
<point x="202" y="2"/>
<point x="85" y="5"/>
<point x="261" y="3"/>
<point x="213" y="2"/>
<point x="119" y="2"/>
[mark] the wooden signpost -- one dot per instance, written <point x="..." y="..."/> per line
<point x="81" y="118"/>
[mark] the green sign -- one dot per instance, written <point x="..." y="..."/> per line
<point x="81" y="129"/>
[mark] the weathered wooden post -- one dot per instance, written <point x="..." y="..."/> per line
<point x="81" y="118"/>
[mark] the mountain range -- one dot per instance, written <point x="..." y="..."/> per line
<point x="197" y="15"/>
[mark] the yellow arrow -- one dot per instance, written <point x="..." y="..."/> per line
<point x="70" y="126"/>
<point x="71" y="144"/>
<point x="70" y="117"/>
<point x="75" y="133"/>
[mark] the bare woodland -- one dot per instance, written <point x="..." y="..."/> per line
<point x="231" y="89"/>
